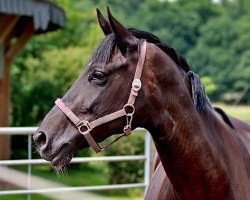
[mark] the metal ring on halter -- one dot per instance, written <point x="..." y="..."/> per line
<point x="84" y="127"/>
<point x="127" y="108"/>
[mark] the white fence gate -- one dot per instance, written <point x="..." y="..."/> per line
<point x="30" y="130"/>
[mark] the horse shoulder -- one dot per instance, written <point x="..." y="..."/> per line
<point x="160" y="187"/>
<point x="242" y="128"/>
<point x="243" y="131"/>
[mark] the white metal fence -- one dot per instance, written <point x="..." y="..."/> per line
<point x="30" y="130"/>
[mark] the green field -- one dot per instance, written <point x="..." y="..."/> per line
<point x="240" y="111"/>
<point x="95" y="173"/>
<point x="39" y="197"/>
<point x="24" y="197"/>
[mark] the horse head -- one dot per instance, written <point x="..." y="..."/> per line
<point x="105" y="86"/>
<point x="130" y="81"/>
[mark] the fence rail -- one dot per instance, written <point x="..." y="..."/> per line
<point x="71" y="189"/>
<point x="30" y="130"/>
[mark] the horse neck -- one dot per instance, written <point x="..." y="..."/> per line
<point x="181" y="136"/>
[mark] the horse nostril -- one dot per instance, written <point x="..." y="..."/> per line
<point x="40" y="138"/>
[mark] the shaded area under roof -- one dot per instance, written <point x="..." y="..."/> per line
<point x="46" y="15"/>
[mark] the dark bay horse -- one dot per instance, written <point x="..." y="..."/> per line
<point x="131" y="83"/>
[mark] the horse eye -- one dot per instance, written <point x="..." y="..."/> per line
<point x="98" y="75"/>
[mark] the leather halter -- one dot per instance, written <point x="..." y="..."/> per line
<point x="84" y="127"/>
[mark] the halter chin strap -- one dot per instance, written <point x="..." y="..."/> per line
<point x="128" y="110"/>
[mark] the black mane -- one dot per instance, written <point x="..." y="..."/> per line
<point x="104" y="50"/>
<point x="177" y="58"/>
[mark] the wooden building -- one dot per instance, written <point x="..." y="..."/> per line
<point x="19" y="21"/>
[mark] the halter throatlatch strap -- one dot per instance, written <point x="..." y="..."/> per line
<point x="84" y="127"/>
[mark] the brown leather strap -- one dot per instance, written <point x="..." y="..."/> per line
<point x="136" y="87"/>
<point x="107" y="118"/>
<point x="99" y="122"/>
<point x="92" y="143"/>
<point x="67" y="111"/>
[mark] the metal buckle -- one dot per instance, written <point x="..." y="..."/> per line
<point x="128" y="128"/>
<point x="84" y="127"/>
<point x="136" y="85"/>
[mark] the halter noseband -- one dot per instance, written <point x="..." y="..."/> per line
<point x="84" y="127"/>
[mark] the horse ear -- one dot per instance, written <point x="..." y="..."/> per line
<point x="124" y="38"/>
<point x="105" y="26"/>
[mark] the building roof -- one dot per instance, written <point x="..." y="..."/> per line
<point x="46" y="15"/>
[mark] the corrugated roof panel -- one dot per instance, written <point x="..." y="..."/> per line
<point x="15" y="6"/>
<point x="46" y="15"/>
<point x="8" y="6"/>
<point x="27" y="7"/>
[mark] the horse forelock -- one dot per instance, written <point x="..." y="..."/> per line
<point x="104" y="51"/>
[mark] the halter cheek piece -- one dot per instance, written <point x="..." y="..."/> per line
<point x="84" y="127"/>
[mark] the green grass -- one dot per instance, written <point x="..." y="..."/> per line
<point x="95" y="173"/>
<point x="39" y="197"/>
<point x="124" y="198"/>
<point x="241" y="112"/>
<point x="24" y="197"/>
<point x="78" y="175"/>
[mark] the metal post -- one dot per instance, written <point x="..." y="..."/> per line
<point x="29" y="165"/>
<point x="147" y="160"/>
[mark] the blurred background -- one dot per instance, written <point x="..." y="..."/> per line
<point x="214" y="37"/>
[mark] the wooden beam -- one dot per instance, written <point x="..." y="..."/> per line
<point x="27" y="33"/>
<point x="4" y="108"/>
<point x="7" y="23"/>
<point x="1" y="60"/>
<point x="11" y="51"/>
